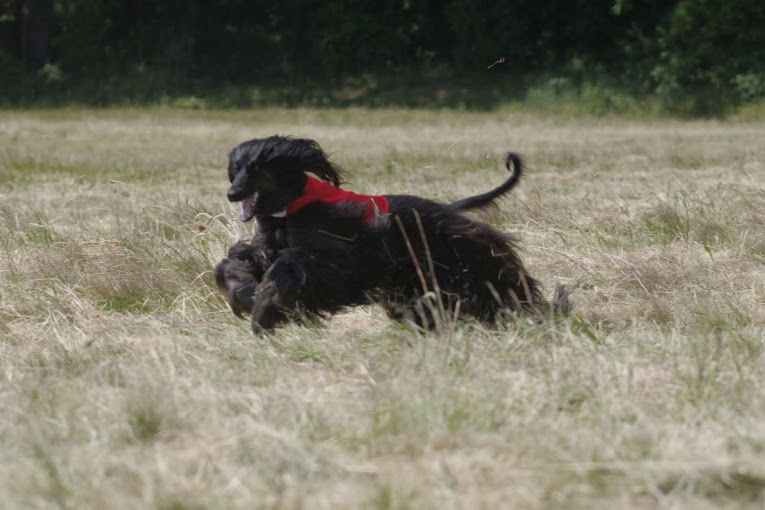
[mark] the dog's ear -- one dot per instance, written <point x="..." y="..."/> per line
<point x="329" y="173"/>
<point x="305" y="155"/>
<point x="322" y="167"/>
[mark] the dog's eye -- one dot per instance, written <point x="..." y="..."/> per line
<point x="232" y="171"/>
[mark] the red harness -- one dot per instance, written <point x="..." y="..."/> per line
<point x="323" y="192"/>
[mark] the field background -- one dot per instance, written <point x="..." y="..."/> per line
<point x="125" y="381"/>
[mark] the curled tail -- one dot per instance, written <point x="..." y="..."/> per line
<point x="513" y="164"/>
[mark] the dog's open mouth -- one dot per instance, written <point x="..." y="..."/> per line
<point x="248" y="207"/>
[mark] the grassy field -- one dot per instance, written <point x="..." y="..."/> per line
<point x="125" y="381"/>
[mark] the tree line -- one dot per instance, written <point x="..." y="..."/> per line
<point x="696" y="56"/>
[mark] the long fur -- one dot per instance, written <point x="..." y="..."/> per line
<point x="420" y="257"/>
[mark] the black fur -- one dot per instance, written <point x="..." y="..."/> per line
<point x="421" y="258"/>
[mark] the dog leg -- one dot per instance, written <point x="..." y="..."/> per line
<point x="276" y="295"/>
<point x="422" y="311"/>
<point x="237" y="280"/>
<point x="239" y="274"/>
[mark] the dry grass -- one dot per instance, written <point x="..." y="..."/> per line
<point x="126" y="383"/>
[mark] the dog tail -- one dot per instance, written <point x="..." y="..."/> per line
<point x="514" y="165"/>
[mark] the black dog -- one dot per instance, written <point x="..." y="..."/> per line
<point x="319" y="249"/>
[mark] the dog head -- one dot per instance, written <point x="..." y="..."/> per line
<point x="267" y="174"/>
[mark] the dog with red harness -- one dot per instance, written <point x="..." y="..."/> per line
<point x="319" y="248"/>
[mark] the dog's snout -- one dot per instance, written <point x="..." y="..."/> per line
<point x="238" y="190"/>
<point x="234" y="195"/>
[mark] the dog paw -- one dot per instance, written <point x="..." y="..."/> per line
<point x="265" y="319"/>
<point x="241" y="251"/>
<point x="236" y="280"/>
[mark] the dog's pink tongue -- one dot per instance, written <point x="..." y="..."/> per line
<point x="248" y="208"/>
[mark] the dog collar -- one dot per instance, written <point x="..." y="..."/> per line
<point x="325" y="193"/>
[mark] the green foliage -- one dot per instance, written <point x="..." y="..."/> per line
<point x="698" y="57"/>
<point x="750" y="86"/>
<point x="713" y="55"/>
<point x="559" y="94"/>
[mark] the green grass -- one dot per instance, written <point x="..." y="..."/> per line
<point x="125" y="381"/>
